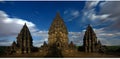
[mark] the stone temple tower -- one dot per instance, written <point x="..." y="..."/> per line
<point x="58" y="40"/>
<point x="90" y="40"/>
<point x="24" y="41"/>
<point x="58" y="34"/>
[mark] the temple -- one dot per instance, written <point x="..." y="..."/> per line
<point x="58" y="34"/>
<point x="58" y="39"/>
<point x="90" y="42"/>
<point x="24" y="41"/>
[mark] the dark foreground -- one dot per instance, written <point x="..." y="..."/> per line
<point x="74" y="55"/>
<point x="110" y="52"/>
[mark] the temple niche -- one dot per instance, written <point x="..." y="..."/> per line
<point x="24" y="42"/>
<point x="90" y="42"/>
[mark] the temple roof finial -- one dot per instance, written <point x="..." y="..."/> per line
<point x="14" y="42"/>
<point x="89" y="25"/>
<point x="58" y="14"/>
<point x="44" y="44"/>
<point x="25" y="23"/>
<point x="99" y="42"/>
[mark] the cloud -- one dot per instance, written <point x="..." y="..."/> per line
<point x="12" y="26"/>
<point x="90" y="14"/>
<point x="111" y="31"/>
<point x="91" y="4"/>
<point x="76" y="37"/>
<point x="107" y="38"/>
<point x="1" y="0"/>
<point x="112" y="8"/>
<point x="108" y="12"/>
<point x="5" y="42"/>
<point x="39" y="37"/>
<point x="39" y="42"/>
<point x="71" y="14"/>
<point x="41" y="33"/>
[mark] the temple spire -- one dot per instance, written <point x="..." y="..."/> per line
<point x="71" y="43"/>
<point x="58" y="15"/>
<point x="25" y="24"/>
<point x="14" y="43"/>
<point x="24" y="40"/>
<point x="57" y="28"/>
<point x="89" y="27"/>
<point x="45" y="44"/>
<point x="99" y="43"/>
<point x="90" y="40"/>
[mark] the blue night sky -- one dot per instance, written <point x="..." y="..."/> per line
<point x="103" y="17"/>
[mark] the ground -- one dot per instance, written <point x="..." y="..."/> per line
<point x="111" y="52"/>
<point x="73" y="55"/>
